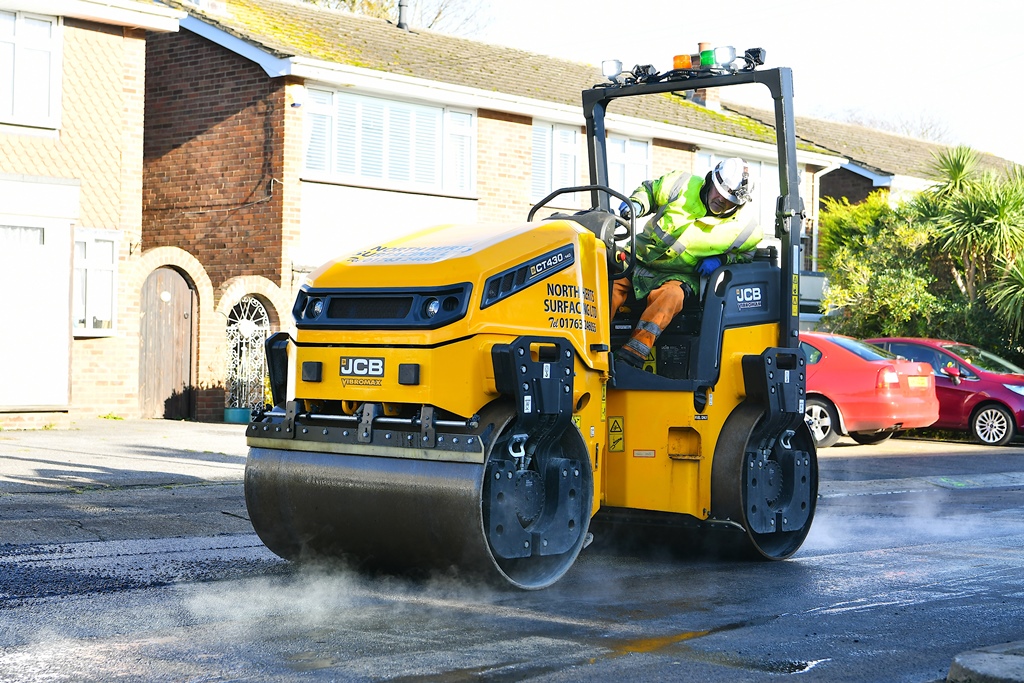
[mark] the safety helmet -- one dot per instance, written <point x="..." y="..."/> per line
<point x="732" y="180"/>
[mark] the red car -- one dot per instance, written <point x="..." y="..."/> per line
<point x="978" y="391"/>
<point x="861" y="390"/>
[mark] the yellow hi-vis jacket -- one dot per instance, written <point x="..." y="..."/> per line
<point x="682" y="232"/>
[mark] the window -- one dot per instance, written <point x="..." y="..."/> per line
<point x="30" y="70"/>
<point x="812" y="353"/>
<point x="629" y="163"/>
<point x="14" y="236"/>
<point x="95" y="279"/>
<point x="556" y="160"/>
<point x="354" y="138"/>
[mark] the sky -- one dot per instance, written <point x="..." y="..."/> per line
<point x="957" y="64"/>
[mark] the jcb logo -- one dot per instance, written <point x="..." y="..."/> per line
<point x="744" y="294"/>
<point x="362" y="367"/>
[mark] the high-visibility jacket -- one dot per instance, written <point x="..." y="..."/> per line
<point x="682" y="232"/>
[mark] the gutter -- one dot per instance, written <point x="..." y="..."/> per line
<point x="127" y="13"/>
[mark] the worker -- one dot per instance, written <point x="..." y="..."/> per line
<point x="695" y="229"/>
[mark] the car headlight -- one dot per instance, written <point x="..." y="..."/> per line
<point x="1015" y="388"/>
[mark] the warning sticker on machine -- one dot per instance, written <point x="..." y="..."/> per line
<point x="616" y="435"/>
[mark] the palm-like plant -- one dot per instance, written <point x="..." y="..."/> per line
<point x="978" y="219"/>
<point x="1006" y="296"/>
<point x="982" y="225"/>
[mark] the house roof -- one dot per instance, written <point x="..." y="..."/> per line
<point x="877" y="151"/>
<point x="292" y="28"/>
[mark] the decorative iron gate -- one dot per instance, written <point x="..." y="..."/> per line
<point x="248" y="328"/>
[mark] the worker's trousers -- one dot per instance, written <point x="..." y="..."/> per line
<point x="663" y="304"/>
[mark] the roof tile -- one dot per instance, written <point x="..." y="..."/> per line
<point x="875" y="150"/>
<point x="292" y="28"/>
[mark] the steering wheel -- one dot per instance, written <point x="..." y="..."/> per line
<point x="618" y="234"/>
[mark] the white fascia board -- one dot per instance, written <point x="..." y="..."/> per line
<point x="372" y="81"/>
<point x="273" y="66"/>
<point x="877" y="179"/>
<point x="910" y="183"/>
<point x="724" y="144"/>
<point x="152" y="17"/>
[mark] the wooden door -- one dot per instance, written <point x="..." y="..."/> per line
<point x="166" y="369"/>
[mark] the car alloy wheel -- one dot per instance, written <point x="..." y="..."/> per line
<point x="992" y="425"/>
<point x="823" y="421"/>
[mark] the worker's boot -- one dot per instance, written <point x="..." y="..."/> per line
<point x="638" y="348"/>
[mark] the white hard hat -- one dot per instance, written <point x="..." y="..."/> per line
<point x="732" y="180"/>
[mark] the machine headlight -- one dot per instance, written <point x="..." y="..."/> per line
<point x="1015" y="388"/>
<point x="611" y="68"/>
<point x="314" y="307"/>
<point x="431" y="307"/>
<point x="722" y="56"/>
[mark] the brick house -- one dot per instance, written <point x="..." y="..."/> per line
<point x="71" y="134"/>
<point x="280" y="134"/>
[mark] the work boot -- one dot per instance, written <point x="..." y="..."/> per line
<point x="626" y="356"/>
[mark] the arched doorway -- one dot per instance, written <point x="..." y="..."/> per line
<point x="248" y="329"/>
<point x="166" y="334"/>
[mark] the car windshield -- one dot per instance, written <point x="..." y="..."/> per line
<point x="862" y="349"/>
<point x="989" y="362"/>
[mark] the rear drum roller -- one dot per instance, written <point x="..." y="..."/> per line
<point x="520" y="517"/>
<point x="768" y="486"/>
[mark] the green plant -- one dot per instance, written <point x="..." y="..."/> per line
<point x="111" y="416"/>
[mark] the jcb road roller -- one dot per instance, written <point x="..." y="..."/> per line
<point x="450" y="399"/>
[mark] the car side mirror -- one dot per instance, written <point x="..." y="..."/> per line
<point x="952" y="372"/>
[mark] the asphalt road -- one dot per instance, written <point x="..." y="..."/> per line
<point x="915" y="555"/>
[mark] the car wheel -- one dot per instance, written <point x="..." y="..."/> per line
<point x="992" y="425"/>
<point x="870" y="438"/>
<point x="823" y="421"/>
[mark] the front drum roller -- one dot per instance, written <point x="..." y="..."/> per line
<point x="766" y="486"/>
<point x="522" y="519"/>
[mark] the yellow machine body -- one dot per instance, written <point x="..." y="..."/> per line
<point x="661" y="450"/>
<point x="450" y="398"/>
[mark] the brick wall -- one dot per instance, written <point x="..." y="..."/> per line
<point x="214" y="157"/>
<point x="842" y="183"/>
<point x="504" y="159"/>
<point x="669" y="155"/>
<point x="100" y="144"/>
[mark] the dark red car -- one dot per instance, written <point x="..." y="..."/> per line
<point x="978" y="391"/>
<point x="861" y="390"/>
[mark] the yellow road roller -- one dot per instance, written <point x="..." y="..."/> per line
<point x="450" y="400"/>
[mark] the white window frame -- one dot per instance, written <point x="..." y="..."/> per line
<point x="95" y="281"/>
<point x="556" y="159"/>
<point x="436" y="155"/>
<point x="23" y="92"/>
<point x="629" y="162"/>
